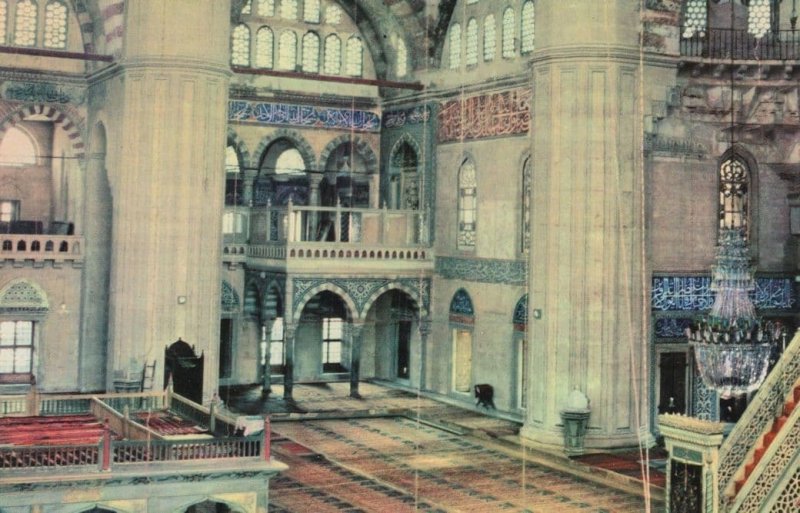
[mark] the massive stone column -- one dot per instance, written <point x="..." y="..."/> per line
<point x="587" y="257"/>
<point x="168" y="97"/>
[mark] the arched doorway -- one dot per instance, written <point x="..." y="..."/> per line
<point x="388" y="350"/>
<point x="186" y="369"/>
<point x="322" y="340"/>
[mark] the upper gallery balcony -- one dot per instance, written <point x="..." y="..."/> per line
<point x="303" y="238"/>
<point x="722" y="44"/>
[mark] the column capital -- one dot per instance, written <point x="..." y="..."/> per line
<point x="424" y="326"/>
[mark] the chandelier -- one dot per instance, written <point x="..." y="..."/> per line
<point x="732" y="346"/>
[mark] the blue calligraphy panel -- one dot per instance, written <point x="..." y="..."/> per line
<point x="303" y="116"/>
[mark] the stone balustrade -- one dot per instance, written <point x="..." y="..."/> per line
<point x="41" y="248"/>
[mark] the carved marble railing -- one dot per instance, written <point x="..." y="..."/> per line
<point x="774" y="468"/>
<point x="738" y="447"/>
<point x="59" y="248"/>
<point x="324" y="225"/>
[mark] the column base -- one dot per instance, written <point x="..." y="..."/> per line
<point x="552" y="439"/>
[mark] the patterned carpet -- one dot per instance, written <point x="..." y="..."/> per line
<point x="398" y="465"/>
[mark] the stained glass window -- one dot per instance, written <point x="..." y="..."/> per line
<point x="455" y="46"/>
<point x="289" y="9"/>
<point x="287" y="50"/>
<point x="467" y="205"/>
<point x="694" y="17"/>
<point x="311" y="11"/>
<point x="471" y="57"/>
<point x="734" y="182"/>
<point x="528" y="18"/>
<point x="333" y="14"/>
<point x="25" y="23"/>
<point x="240" y="46"/>
<point x="266" y="7"/>
<point x="311" y="52"/>
<point x="333" y="55"/>
<point x="489" y="38"/>
<point x="264" y="47"/>
<point x="508" y="33"/>
<point x="758" y="17"/>
<point x="355" y="57"/>
<point x="401" y="66"/>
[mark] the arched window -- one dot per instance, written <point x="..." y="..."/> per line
<point x="311" y="52"/>
<point x="695" y="17"/>
<point x="404" y="178"/>
<point x="287" y="50"/>
<point x="3" y="18"/>
<point x="240" y="45"/>
<point x="355" y="57"/>
<point x="17" y="148"/>
<point x="509" y="27"/>
<point x="734" y="188"/>
<point x="266" y="7"/>
<point x="333" y="55"/>
<point x="25" y="23"/>
<point x="525" y="225"/>
<point x="462" y="321"/>
<point x="311" y="11"/>
<point x="489" y="38"/>
<point x="759" y="17"/>
<point x="471" y="54"/>
<point x="264" y="47"/>
<point x="455" y="46"/>
<point x="467" y="205"/>
<point x="528" y="18"/>
<point x="289" y="9"/>
<point x="233" y="178"/>
<point x="401" y="66"/>
<point x="333" y="14"/>
<point x="55" y="25"/>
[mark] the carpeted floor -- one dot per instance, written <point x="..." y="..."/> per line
<point x="389" y="465"/>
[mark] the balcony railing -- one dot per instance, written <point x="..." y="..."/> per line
<point x="740" y="44"/>
<point x="41" y="247"/>
<point x="353" y="226"/>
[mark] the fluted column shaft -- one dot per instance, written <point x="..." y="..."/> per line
<point x="587" y="256"/>
<point x="167" y="179"/>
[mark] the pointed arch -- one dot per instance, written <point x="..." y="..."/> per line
<point x="23" y="296"/>
<point x="301" y="302"/>
<point x="360" y="147"/>
<point x="413" y="294"/>
<point x="229" y="298"/>
<point x="73" y="127"/>
<point x="293" y="136"/>
<point x="241" y="148"/>
<point x="462" y="310"/>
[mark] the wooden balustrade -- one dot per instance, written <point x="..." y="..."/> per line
<point x="122" y="452"/>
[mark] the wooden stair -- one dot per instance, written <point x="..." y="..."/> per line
<point x="769" y="437"/>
